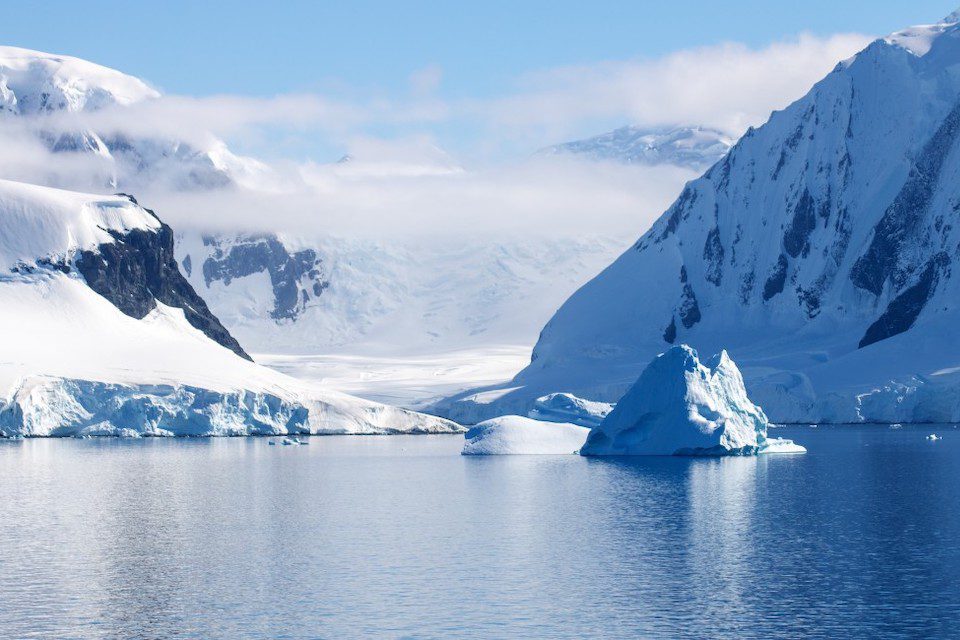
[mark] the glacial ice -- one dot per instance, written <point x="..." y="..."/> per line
<point x="516" y="435"/>
<point x="680" y="406"/>
<point x="52" y="406"/>
<point x="566" y="407"/>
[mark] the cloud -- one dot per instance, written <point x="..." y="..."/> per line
<point x="402" y="181"/>
<point x="542" y="197"/>
<point x="427" y="80"/>
<point x="728" y="86"/>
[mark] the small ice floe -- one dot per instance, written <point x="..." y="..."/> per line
<point x="896" y="425"/>
<point x="516" y="435"/>
<point x="779" y="445"/>
<point x="934" y="437"/>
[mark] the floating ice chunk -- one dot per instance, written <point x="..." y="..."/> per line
<point x="934" y="437"/>
<point x="680" y="406"/>
<point x="516" y="435"/>
<point x="780" y="445"/>
<point x="568" y="408"/>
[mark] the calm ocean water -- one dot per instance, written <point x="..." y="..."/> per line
<point x="400" y="537"/>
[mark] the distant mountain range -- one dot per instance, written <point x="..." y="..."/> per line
<point x="693" y="147"/>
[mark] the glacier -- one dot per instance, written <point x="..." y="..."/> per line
<point x="821" y="252"/>
<point x="682" y="406"/>
<point x="133" y="350"/>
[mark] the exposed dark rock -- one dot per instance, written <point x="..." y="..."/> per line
<point x="670" y="334"/>
<point x="774" y="284"/>
<point x="903" y="310"/>
<point x="258" y="254"/>
<point x="689" y="310"/>
<point x="796" y="240"/>
<point x="713" y="257"/>
<point x="138" y="269"/>
<point x="679" y="211"/>
<point x="900" y="224"/>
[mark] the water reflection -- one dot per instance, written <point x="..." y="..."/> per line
<point x="393" y="537"/>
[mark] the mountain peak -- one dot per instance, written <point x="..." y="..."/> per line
<point x="692" y="146"/>
<point x="952" y="18"/>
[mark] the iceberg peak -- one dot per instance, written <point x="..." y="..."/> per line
<point x="682" y="406"/>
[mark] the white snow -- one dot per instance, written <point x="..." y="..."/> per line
<point x="34" y="83"/>
<point x="681" y="406"/>
<point x="38" y="81"/>
<point x="72" y="364"/>
<point x="413" y="380"/>
<point x="40" y="222"/>
<point x="692" y="147"/>
<point x="516" y="435"/>
<point x="771" y="256"/>
<point x="404" y="297"/>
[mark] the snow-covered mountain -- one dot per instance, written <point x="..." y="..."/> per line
<point x="319" y="293"/>
<point x="34" y="84"/>
<point x="101" y="334"/>
<point x="822" y="252"/>
<point x="691" y="146"/>
<point x="380" y="296"/>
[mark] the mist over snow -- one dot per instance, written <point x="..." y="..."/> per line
<point x="425" y="163"/>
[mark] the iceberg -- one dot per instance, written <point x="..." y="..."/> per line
<point x="516" y="435"/>
<point x="680" y="406"/>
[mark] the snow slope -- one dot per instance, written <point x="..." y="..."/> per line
<point x="693" y="147"/>
<point x="821" y="252"/>
<point x="34" y="84"/>
<point x="76" y="360"/>
<point x="387" y="297"/>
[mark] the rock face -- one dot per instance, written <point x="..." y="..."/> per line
<point x="138" y="269"/>
<point x="681" y="406"/>
<point x="822" y="251"/>
<point x="693" y="147"/>
<point x="295" y="276"/>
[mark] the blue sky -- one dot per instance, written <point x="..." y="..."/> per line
<point x="484" y="79"/>
<point x="259" y="48"/>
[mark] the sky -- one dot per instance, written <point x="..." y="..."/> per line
<point x="258" y="48"/>
<point x="484" y="79"/>
<point x="443" y="104"/>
